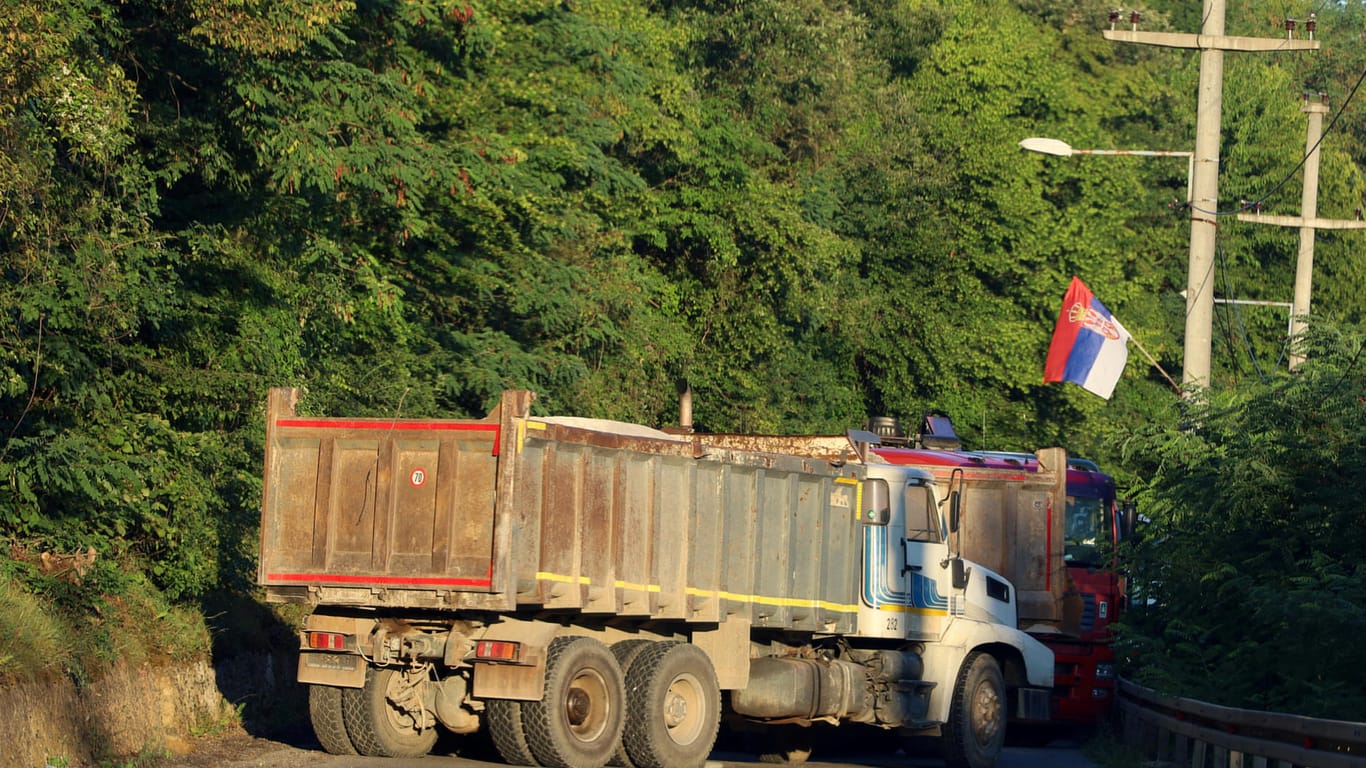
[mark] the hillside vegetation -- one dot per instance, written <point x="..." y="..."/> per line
<point x="807" y="211"/>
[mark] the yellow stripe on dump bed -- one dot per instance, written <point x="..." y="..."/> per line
<point x="789" y="602"/>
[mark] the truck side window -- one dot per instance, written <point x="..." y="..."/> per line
<point x="922" y="515"/>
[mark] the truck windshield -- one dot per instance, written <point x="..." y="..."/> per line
<point x="1088" y="531"/>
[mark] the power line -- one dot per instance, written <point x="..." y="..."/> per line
<point x="1255" y="204"/>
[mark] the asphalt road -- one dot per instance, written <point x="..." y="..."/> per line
<point x="240" y="750"/>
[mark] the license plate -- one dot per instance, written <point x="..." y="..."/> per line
<point x="339" y="661"/>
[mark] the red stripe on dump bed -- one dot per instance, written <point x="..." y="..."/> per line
<point x="409" y="426"/>
<point x="388" y="581"/>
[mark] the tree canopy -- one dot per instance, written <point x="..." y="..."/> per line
<point x="808" y="212"/>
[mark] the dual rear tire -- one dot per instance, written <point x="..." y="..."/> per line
<point x="675" y="706"/>
<point x="578" y="721"/>
<point x="641" y="704"/>
<point x="372" y="720"/>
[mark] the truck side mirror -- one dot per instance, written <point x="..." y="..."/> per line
<point x="959" y="573"/>
<point x="877" y="508"/>
<point x="1128" y="518"/>
<point x="955" y="510"/>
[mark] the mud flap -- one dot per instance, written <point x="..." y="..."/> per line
<point x="330" y="650"/>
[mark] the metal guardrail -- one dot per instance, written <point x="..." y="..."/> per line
<point x="1186" y="733"/>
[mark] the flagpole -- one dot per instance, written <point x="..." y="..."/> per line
<point x="1156" y="365"/>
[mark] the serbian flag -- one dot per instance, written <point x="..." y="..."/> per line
<point x="1089" y="345"/>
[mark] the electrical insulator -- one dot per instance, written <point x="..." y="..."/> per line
<point x="1310" y="25"/>
<point x="1289" y="28"/>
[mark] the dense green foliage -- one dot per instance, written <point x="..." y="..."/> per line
<point x="1250" y="582"/>
<point x="807" y="211"/>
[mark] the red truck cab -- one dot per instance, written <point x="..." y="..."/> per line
<point x="1084" y="666"/>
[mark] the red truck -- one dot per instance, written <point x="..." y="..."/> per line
<point x="1084" y="673"/>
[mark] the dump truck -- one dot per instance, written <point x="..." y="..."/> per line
<point x="593" y="592"/>
<point x="1029" y="517"/>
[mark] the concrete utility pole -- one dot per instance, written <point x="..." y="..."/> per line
<point x="1308" y="221"/>
<point x="1211" y="42"/>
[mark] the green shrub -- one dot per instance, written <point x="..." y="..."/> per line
<point x="1252" y="587"/>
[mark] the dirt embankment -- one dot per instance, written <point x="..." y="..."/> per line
<point x="137" y="710"/>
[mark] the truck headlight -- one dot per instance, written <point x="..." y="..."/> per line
<point x="1105" y="671"/>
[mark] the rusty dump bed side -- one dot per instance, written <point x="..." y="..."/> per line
<point x="513" y="512"/>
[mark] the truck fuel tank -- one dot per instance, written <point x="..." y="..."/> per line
<point x="803" y="688"/>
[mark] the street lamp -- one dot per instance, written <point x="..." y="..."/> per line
<point x="1199" y="312"/>
<point x="1060" y="148"/>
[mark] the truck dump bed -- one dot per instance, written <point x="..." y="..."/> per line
<point x="1013" y="521"/>
<point x="512" y="512"/>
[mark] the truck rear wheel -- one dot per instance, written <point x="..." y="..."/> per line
<point x="578" y="721"/>
<point x="976" y="730"/>
<point x="504" y="718"/>
<point x="325" y="712"/>
<point x="675" y="707"/>
<point x="385" y="718"/>
<point x="626" y="653"/>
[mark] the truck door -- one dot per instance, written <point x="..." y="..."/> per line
<point x="922" y="552"/>
<point x="901" y="594"/>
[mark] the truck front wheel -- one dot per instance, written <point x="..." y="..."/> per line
<point x="385" y="718"/>
<point x="976" y="730"/>
<point x="578" y="721"/>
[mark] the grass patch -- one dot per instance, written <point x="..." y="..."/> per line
<point x="227" y="719"/>
<point x="77" y="625"/>
<point x="34" y="641"/>
<point x="144" y="626"/>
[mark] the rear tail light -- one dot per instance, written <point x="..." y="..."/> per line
<point x="326" y="641"/>
<point x="497" y="650"/>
